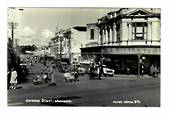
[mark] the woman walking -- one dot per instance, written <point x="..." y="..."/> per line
<point x="13" y="80"/>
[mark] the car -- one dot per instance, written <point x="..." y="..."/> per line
<point x="86" y="66"/>
<point x="81" y="70"/>
<point x="107" y="71"/>
<point x="23" y="68"/>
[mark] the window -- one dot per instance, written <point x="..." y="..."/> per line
<point x="118" y="32"/>
<point x="91" y="33"/>
<point x="139" y="30"/>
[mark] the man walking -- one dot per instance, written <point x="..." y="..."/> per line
<point x="51" y="73"/>
<point x="100" y="70"/>
<point x="76" y="75"/>
<point x="92" y="75"/>
<point x="142" y="69"/>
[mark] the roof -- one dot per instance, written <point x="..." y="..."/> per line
<point x="91" y="23"/>
<point x="140" y="11"/>
<point x="80" y="28"/>
<point x="54" y="38"/>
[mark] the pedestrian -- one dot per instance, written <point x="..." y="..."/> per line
<point x="48" y="71"/>
<point x="45" y="74"/>
<point x="153" y="71"/>
<point x="67" y="76"/>
<point x="127" y="70"/>
<point x="31" y="63"/>
<point x="92" y="71"/>
<point x="13" y="80"/>
<point x="75" y="70"/>
<point x="142" y="69"/>
<point x="53" y="81"/>
<point x="100" y="70"/>
<point x="8" y="79"/>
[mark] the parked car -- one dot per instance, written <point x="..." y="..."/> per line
<point x="81" y="70"/>
<point x="107" y="71"/>
<point x="23" y="68"/>
<point x="86" y="66"/>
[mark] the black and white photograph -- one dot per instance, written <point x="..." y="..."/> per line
<point x="83" y="56"/>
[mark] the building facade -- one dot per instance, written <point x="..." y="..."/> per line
<point x="127" y="37"/>
<point x="55" y="47"/>
<point x="73" y="39"/>
<point x="92" y="35"/>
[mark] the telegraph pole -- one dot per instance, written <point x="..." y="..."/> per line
<point x="12" y="26"/>
<point x="69" y="50"/>
<point x="61" y="37"/>
<point x="14" y="59"/>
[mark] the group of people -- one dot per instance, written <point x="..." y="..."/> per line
<point x="154" y="71"/>
<point x="47" y="75"/>
<point x="99" y="70"/>
<point x="72" y="74"/>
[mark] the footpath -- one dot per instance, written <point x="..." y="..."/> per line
<point x="131" y="76"/>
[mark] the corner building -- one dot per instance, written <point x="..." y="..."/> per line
<point x="126" y="38"/>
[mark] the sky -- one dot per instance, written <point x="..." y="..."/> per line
<point x="38" y="25"/>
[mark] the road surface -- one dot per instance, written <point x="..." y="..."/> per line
<point x="120" y="90"/>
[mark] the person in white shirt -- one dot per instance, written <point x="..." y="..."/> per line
<point x="13" y="80"/>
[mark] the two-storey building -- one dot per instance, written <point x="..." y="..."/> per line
<point x="126" y="38"/>
<point x="73" y="39"/>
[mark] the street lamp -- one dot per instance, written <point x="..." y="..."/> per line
<point x="61" y="39"/>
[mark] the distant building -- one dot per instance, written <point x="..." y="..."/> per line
<point x="126" y="37"/>
<point x="73" y="39"/>
<point x="41" y="51"/>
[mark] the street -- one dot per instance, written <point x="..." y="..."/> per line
<point x="120" y="90"/>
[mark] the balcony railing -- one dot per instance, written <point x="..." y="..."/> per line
<point x="132" y="42"/>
